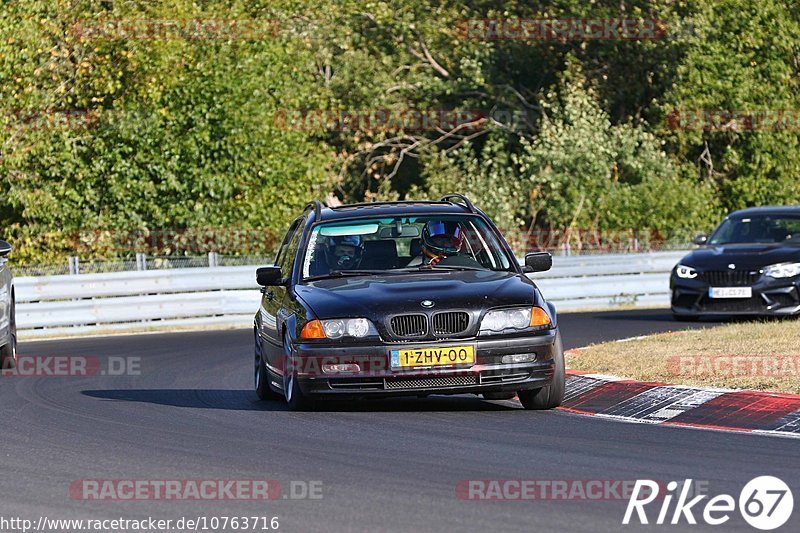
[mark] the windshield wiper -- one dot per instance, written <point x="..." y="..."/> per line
<point x="428" y="268"/>
<point x="345" y="273"/>
<point x="453" y="267"/>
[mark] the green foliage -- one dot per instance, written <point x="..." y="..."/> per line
<point x="488" y="178"/>
<point x="745" y="59"/>
<point x="586" y="172"/>
<point x="166" y="134"/>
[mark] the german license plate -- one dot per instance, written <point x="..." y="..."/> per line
<point x="730" y="292"/>
<point x="433" y="356"/>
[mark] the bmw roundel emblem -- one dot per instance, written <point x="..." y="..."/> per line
<point x="427" y="304"/>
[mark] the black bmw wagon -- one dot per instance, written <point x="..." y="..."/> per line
<point x="404" y="298"/>
<point x="749" y="265"/>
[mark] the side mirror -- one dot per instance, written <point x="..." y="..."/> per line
<point x="700" y="239"/>
<point x="5" y="248"/>
<point x="538" y="261"/>
<point x="269" y="276"/>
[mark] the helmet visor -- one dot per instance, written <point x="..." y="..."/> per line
<point x="446" y="237"/>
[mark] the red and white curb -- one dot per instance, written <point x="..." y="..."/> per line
<point x="678" y="405"/>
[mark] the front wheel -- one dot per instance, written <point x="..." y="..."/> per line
<point x="549" y="396"/>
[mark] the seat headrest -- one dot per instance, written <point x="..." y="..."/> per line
<point x="384" y="247"/>
<point x="416" y="247"/>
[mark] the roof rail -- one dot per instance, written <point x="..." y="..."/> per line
<point x="461" y="197"/>
<point x="317" y="206"/>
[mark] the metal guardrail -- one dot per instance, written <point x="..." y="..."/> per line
<point x="172" y="298"/>
<point x="591" y="281"/>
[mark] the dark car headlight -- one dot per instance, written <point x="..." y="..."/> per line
<point x="783" y="270"/>
<point x="519" y="318"/>
<point x="685" y="272"/>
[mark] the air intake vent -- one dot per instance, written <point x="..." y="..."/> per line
<point x="409" y="325"/>
<point x="450" y="323"/>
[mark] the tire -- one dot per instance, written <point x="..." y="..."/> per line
<point x="295" y="398"/>
<point x="261" y="377"/>
<point x="549" y="396"/>
<point x="8" y="353"/>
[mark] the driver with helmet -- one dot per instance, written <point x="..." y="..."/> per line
<point x="441" y="241"/>
<point x="344" y="252"/>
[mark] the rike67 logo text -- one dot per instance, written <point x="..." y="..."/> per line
<point x="765" y="503"/>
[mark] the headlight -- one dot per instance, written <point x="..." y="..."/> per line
<point x="685" y="272"/>
<point x="337" y="328"/>
<point x="518" y="319"/>
<point x="351" y="327"/>
<point x="783" y="270"/>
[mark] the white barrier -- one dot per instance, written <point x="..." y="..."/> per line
<point x="229" y="295"/>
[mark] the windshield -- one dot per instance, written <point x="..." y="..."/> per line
<point x="399" y="244"/>
<point x="758" y="230"/>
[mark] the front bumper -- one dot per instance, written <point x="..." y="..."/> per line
<point x="378" y="378"/>
<point x="771" y="297"/>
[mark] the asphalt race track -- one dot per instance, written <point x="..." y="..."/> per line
<point x="384" y="465"/>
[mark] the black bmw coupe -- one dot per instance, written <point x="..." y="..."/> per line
<point x="404" y="298"/>
<point x="750" y="265"/>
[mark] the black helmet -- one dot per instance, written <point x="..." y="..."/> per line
<point x="344" y="261"/>
<point x="442" y="237"/>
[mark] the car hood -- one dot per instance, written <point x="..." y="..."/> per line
<point x="375" y="297"/>
<point x="747" y="256"/>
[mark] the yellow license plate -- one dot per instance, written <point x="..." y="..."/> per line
<point x="433" y="356"/>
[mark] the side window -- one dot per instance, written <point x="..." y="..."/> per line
<point x="288" y="254"/>
<point x="279" y="258"/>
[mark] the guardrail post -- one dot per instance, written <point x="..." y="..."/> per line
<point x="74" y="265"/>
<point x="213" y="259"/>
<point x="141" y="261"/>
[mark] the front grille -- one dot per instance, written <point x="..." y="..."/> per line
<point x="739" y="305"/>
<point x="450" y="323"/>
<point x="431" y="383"/>
<point x="409" y="325"/>
<point x="730" y="278"/>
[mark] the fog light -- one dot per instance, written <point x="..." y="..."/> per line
<point x="519" y="358"/>
<point x="342" y="367"/>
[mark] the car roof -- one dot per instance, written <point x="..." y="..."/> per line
<point x="388" y="209"/>
<point x="767" y="210"/>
